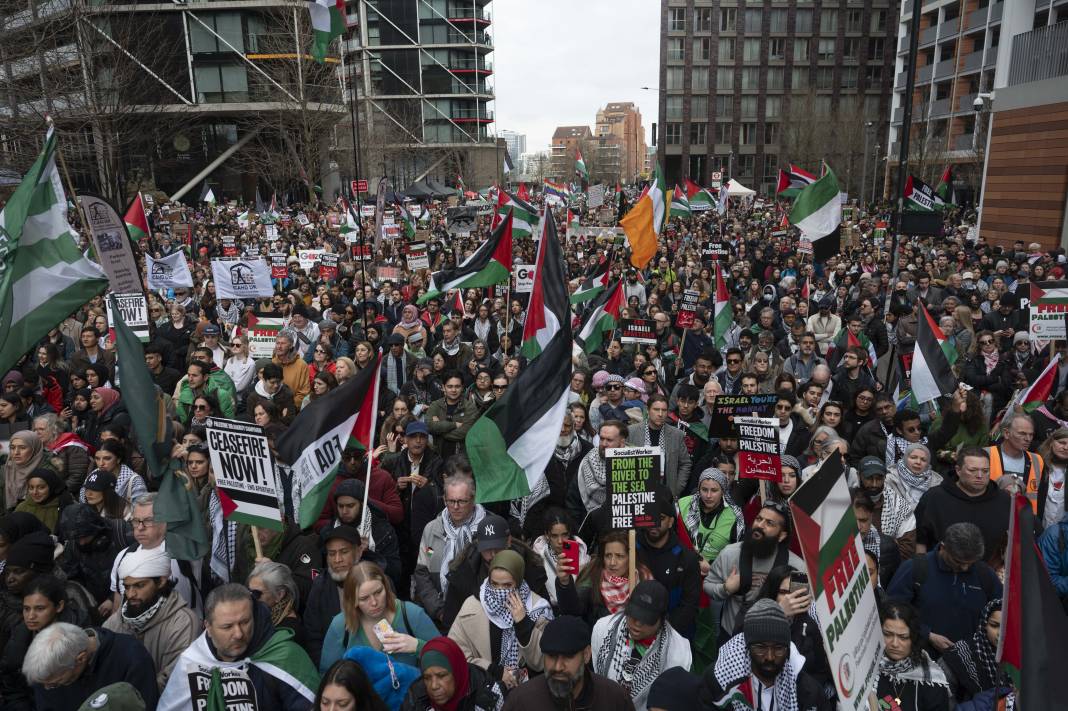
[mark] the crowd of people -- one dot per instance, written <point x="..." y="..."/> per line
<point x="448" y="604"/>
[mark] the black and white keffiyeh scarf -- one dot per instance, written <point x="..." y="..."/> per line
<point x="456" y="537"/>
<point x="692" y="514"/>
<point x="733" y="669"/>
<point x="976" y="657"/>
<point x="593" y="484"/>
<point x="495" y="603"/>
<point x="895" y="449"/>
<point x="615" y="659"/>
<point x="907" y="670"/>
<point x="896" y="511"/>
<point x="223" y="539"/>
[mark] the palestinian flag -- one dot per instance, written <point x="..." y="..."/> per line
<point x="136" y="220"/>
<point x="322" y="430"/>
<point x="818" y="214"/>
<point x="595" y="283"/>
<point x="512" y="443"/>
<point x="932" y="376"/>
<point x="572" y="218"/>
<point x="724" y="316"/>
<point x="489" y="264"/>
<point x="523" y="193"/>
<point x="406" y="220"/>
<point x="454" y="304"/>
<point x="700" y="199"/>
<point x="524" y="215"/>
<point x="1034" y="630"/>
<point x="602" y="315"/>
<point x="351" y="226"/>
<point x="548" y="310"/>
<point x="1036" y="395"/>
<point x="242" y="220"/>
<point x="328" y="23"/>
<point x="793" y="181"/>
<point x="555" y="192"/>
<point x="680" y="204"/>
<point x="845" y="339"/>
<point x="920" y="197"/>
<point x="580" y="166"/>
<point x="944" y="189"/>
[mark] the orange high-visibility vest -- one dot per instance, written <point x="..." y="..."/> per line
<point x="1033" y="475"/>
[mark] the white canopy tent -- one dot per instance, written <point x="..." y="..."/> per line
<point x="736" y="189"/>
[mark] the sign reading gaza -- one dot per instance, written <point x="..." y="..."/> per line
<point x="633" y="473"/>
<point x="244" y="474"/>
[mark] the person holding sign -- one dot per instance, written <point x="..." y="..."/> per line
<point x="291" y="547"/>
<point x="672" y="442"/>
<point x="677" y="567"/>
<point x="603" y="586"/>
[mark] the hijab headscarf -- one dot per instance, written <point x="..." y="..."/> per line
<point x="15" y="475"/>
<point x="410" y="318"/>
<point x="974" y="660"/>
<point x="692" y="516"/>
<point x="109" y="396"/>
<point x="445" y="653"/>
<point x="48" y="510"/>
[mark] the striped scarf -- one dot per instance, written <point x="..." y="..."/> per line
<point x="223" y="540"/>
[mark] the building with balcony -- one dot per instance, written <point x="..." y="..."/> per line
<point x="567" y="142"/>
<point x="1025" y="131"/>
<point x="747" y="87"/>
<point x="424" y="91"/>
<point x="623" y="120"/>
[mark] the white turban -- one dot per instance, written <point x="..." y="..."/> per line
<point x="145" y="563"/>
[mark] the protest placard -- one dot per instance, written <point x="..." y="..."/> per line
<point x="229" y="243"/>
<point x="688" y="308"/>
<point x="595" y="196"/>
<point x="386" y="273"/>
<point x="1048" y="304"/>
<point x="279" y="265"/>
<point x="758" y="448"/>
<point x="270" y="232"/>
<point x="243" y="279"/>
<point x="461" y="220"/>
<point x="524" y="278"/>
<point x="637" y="330"/>
<point x="362" y="252"/>
<point x="716" y="251"/>
<point x="134" y="310"/>
<point x="328" y="266"/>
<point x="727" y="407"/>
<point x="633" y="474"/>
<point x="367" y="210"/>
<point x="261" y="333"/>
<point x="417" y="256"/>
<point x="308" y="257"/>
<point x="245" y="479"/>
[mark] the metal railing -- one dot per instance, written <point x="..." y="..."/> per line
<point x="1039" y="54"/>
<point x="964" y="142"/>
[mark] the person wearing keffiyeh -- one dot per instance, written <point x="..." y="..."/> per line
<point x="971" y="664"/>
<point x="907" y="430"/>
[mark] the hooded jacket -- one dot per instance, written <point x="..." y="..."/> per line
<point x="946" y="504"/>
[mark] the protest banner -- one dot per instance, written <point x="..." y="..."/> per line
<point x="229" y="243"/>
<point x="134" y="310"/>
<point x="328" y="266"/>
<point x="114" y="251"/>
<point x="1048" y="304"/>
<point x="633" y="474"/>
<point x="270" y="232"/>
<point x="841" y="586"/>
<point x="279" y="265"/>
<point x="524" y="278"/>
<point x="244" y="474"/>
<point x="727" y="407"/>
<point x="167" y="272"/>
<point x="261" y="333"/>
<point x="688" y="308"/>
<point x="243" y="279"/>
<point x="804" y="246"/>
<point x="461" y="220"/>
<point x="595" y="196"/>
<point x="637" y="330"/>
<point x="758" y="448"/>
<point x="416" y="255"/>
<point x="302" y="219"/>
<point x="308" y="257"/>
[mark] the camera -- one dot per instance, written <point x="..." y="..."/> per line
<point x="978" y="104"/>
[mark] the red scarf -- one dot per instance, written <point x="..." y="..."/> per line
<point x="457" y="665"/>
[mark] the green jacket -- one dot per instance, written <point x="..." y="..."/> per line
<point x="708" y="542"/>
<point x="219" y="385"/>
<point x="450" y="429"/>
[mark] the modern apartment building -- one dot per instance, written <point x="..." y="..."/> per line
<point x="567" y="142"/>
<point x="748" y="87"/>
<point x="516" y="143"/>
<point x="623" y="121"/>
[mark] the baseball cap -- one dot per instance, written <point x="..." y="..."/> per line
<point x="872" y="466"/>
<point x="418" y="427"/>
<point x="345" y="533"/>
<point x="100" y="480"/>
<point x="648" y="603"/>
<point x="211" y="330"/>
<point x="492" y="533"/>
<point x="424" y="363"/>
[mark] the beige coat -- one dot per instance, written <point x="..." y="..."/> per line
<point x="471" y="630"/>
<point x="170" y="631"/>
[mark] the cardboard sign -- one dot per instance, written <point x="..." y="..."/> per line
<point x="244" y="474"/>
<point x="261" y="333"/>
<point x="134" y="310"/>
<point x="328" y="266"/>
<point x="633" y="474"/>
<point x="716" y="251"/>
<point x="728" y="407"/>
<point x="524" y="278"/>
<point x="229" y="246"/>
<point x="688" y="309"/>
<point x="308" y="257"/>
<point x="758" y="455"/>
<point x="637" y="330"/>
<point x="279" y="265"/>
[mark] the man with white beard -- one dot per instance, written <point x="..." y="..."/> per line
<point x="344" y="548"/>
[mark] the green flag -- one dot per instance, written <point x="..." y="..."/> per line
<point x="176" y="506"/>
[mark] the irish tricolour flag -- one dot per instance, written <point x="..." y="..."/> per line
<point x="488" y="265"/>
<point x="328" y="22"/>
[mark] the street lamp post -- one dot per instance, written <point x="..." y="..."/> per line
<point x="875" y="169"/>
<point x="864" y="176"/>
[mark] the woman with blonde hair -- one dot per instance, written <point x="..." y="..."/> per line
<point x="372" y="616"/>
<point x="964" y="331"/>
<point x="1054" y="452"/>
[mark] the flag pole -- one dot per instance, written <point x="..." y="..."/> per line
<point x="66" y="176"/>
<point x="365" y="523"/>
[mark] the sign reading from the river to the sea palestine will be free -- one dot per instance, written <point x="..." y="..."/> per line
<point x="633" y="474"/>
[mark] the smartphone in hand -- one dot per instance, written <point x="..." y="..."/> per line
<point x="570" y="553"/>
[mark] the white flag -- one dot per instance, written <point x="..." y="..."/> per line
<point x="241" y="278"/>
<point x="168" y="272"/>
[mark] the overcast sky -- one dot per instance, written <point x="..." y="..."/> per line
<point x="555" y="62"/>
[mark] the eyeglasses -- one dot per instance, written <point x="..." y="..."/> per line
<point x="734" y="360"/>
<point x="143" y="522"/>
<point x="457" y="503"/>
<point x="319" y="350"/>
<point x="236" y="345"/>
<point x="201" y="407"/>
<point x="985" y="341"/>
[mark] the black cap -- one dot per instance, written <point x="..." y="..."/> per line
<point x="675" y="690"/>
<point x="566" y="635"/>
<point x="395" y="339"/>
<point x="648" y="603"/>
<point x="100" y="480"/>
<point x="492" y="533"/>
<point x="350" y="487"/>
<point x="34" y="551"/>
<point x="345" y="533"/>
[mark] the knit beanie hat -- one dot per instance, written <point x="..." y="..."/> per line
<point x="675" y="690"/>
<point x="512" y="562"/>
<point x="766" y="622"/>
<point x="35" y="551"/>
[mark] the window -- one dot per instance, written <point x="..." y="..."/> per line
<point x="725" y="78"/>
<point x="702" y="19"/>
<point x="698" y="133"/>
<point x="771" y="133"/>
<point x="777" y="48"/>
<point x="222" y="83"/>
<point x="702" y="49"/>
<point x="753" y="20"/>
<point x="724" y="104"/>
<point x="673" y="134"/>
<point x="677" y="19"/>
<point x="699" y="79"/>
<point x="777" y="21"/>
<point x="699" y="107"/>
<point x="850" y="49"/>
<point x="876" y="46"/>
<point x="751" y="50"/>
<point x="746" y="164"/>
<point x="675" y="53"/>
<point x="748" y="136"/>
<point x="828" y="22"/>
<point x="825" y="51"/>
<point x="799" y="78"/>
<point x="878" y="20"/>
<point x="749" y="107"/>
<point x="728" y="19"/>
<point x="849" y="77"/>
<point x="673" y="107"/>
<point x="772" y="106"/>
<point x="775" y="77"/>
<point x="225" y="24"/>
<point x="854" y="20"/>
<point x="750" y="78"/>
<point x="771" y="161"/>
<point x="801" y="51"/>
<point x="825" y="78"/>
<point x="803" y="21"/>
<point x="726" y="49"/>
<point x="674" y="77"/>
<point x="723" y="133"/>
<point x="873" y="75"/>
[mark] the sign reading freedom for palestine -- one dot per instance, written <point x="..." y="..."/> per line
<point x="758" y="455"/>
<point x="633" y="473"/>
<point x="244" y="474"/>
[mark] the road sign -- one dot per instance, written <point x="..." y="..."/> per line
<point x="717" y="175"/>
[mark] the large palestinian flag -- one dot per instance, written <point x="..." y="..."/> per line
<point x="699" y="198"/>
<point x="793" y="181"/>
<point x="524" y="215"/>
<point x="818" y="214"/>
<point x="603" y="315"/>
<point x="595" y="281"/>
<point x="135" y="219"/>
<point x="548" y="310"/>
<point x="320" y="433"/>
<point x="932" y="376"/>
<point x="489" y="264"/>
<point x="512" y="443"/>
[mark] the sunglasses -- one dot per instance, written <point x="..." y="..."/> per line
<point x="613" y="386"/>
<point x="200" y="407"/>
